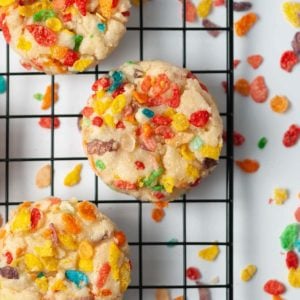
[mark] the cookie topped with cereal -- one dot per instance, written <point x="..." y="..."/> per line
<point x="63" y="36"/>
<point x="151" y="130"/>
<point x="54" y="249"/>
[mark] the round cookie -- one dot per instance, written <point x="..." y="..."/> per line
<point x="62" y="36"/>
<point x="151" y="130"/>
<point x="62" y="250"/>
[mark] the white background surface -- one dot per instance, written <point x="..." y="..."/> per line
<point x="257" y="224"/>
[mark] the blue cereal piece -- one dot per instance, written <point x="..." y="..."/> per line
<point x="148" y="113"/>
<point x="77" y="277"/>
<point x="195" y="144"/>
<point x="101" y="27"/>
<point x="117" y="79"/>
<point x="2" y="85"/>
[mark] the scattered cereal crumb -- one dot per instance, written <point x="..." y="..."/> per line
<point x="242" y="87"/>
<point x="157" y="214"/>
<point x="2" y="85"/>
<point x="289" y="236"/>
<point x="209" y="24"/>
<point x="262" y="142"/>
<point x="248" y="165"/>
<point x="291" y="136"/>
<point x="210" y="253"/>
<point x="190" y="11"/>
<point x="73" y="177"/>
<point x="242" y="6"/>
<point x="297" y="214"/>
<point x="162" y="294"/>
<point x="291" y="11"/>
<point x="238" y="138"/>
<point x="236" y="62"/>
<point x="38" y="96"/>
<point x="259" y="90"/>
<point x="288" y="60"/>
<point x="248" y="273"/>
<point x="193" y="273"/>
<point x="294" y="277"/>
<point x="274" y="287"/>
<point x="244" y="24"/>
<point x="280" y="195"/>
<point x="291" y="260"/>
<point x="255" y="61"/>
<point x="215" y="280"/>
<point x="279" y="104"/>
<point x="172" y="243"/>
<point x="46" y="122"/>
<point x="204" y="293"/>
<point x="47" y="98"/>
<point x="204" y="8"/>
<point x="43" y="176"/>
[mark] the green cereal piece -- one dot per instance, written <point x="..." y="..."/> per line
<point x="78" y="40"/>
<point x="172" y="243"/>
<point x="43" y="15"/>
<point x="289" y="236"/>
<point x="153" y="176"/>
<point x="158" y="188"/>
<point x="38" y="96"/>
<point x="100" y="164"/>
<point x="262" y="143"/>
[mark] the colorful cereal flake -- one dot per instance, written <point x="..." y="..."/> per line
<point x="49" y="122"/>
<point x="288" y="60"/>
<point x="43" y="176"/>
<point x="47" y="98"/>
<point x="291" y="11"/>
<point x="204" y="8"/>
<point x="255" y="61"/>
<point x="279" y="104"/>
<point x="248" y="272"/>
<point x="274" y="287"/>
<point x="210" y="253"/>
<point x="291" y="136"/>
<point x="162" y="294"/>
<point x="190" y="11"/>
<point x="243" y="25"/>
<point x="280" y="196"/>
<point x="242" y="86"/>
<point x="74" y="176"/>
<point x="258" y="90"/>
<point x="2" y="85"/>
<point x="248" y="165"/>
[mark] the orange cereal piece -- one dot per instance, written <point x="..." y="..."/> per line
<point x="255" y="60"/>
<point x="71" y="223"/>
<point x="47" y="99"/>
<point x="279" y="104"/>
<point x="158" y="214"/>
<point x="161" y="204"/>
<point x="146" y="84"/>
<point x="120" y="237"/>
<point x="2" y="233"/>
<point x="55" y="200"/>
<point x="106" y="292"/>
<point x="245" y="23"/>
<point x="242" y="86"/>
<point x="87" y="211"/>
<point x="248" y="165"/>
<point x="140" y="97"/>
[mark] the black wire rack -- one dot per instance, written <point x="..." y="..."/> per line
<point x="228" y="115"/>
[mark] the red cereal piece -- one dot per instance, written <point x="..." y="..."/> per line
<point x="26" y="65"/>
<point x="238" y="139"/>
<point x="120" y="237"/>
<point x="161" y="120"/>
<point x="199" y="118"/>
<point x="118" y="91"/>
<point x="114" y="3"/>
<point x="97" y="121"/>
<point x="35" y="217"/>
<point x="161" y="84"/>
<point x="46" y="122"/>
<point x="159" y="195"/>
<point x="126" y="13"/>
<point x="190" y="12"/>
<point x="259" y="90"/>
<point x="69" y="2"/>
<point x="125" y="185"/>
<point x="70" y="58"/>
<point x="255" y="61"/>
<point x="174" y="101"/>
<point x="103" y="83"/>
<point x="291" y="136"/>
<point x="236" y="62"/>
<point x="9" y="257"/>
<point x="274" y="287"/>
<point x="217" y="3"/>
<point x="42" y="35"/>
<point x="288" y="60"/>
<point x="164" y="131"/>
<point x="82" y="6"/>
<point x="292" y="261"/>
<point x="87" y="111"/>
<point x="297" y="214"/>
<point x="2" y="17"/>
<point x="193" y="273"/>
<point x="139" y="165"/>
<point x="67" y="17"/>
<point x="120" y="125"/>
<point x="155" y="101"/>
<point x="146" y="84"/>
<point x="103" y="275"/>
<point x="6" y="33"/>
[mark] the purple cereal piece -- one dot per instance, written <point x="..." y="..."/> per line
<point x="100" y="147"/>
<point x="242" y="6"/>
<point x="209" y="24"/>
<point x="296" y="43"/>
<point x="9" y="272"/>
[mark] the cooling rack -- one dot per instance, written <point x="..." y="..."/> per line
<point x="140" y="287"/>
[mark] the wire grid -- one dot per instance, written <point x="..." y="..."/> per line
<point x="228" y="198"/>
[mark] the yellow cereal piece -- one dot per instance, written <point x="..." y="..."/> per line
<point x="186" y="153"/>
<point x="210" y="253"/>
<point x="32" y="263"/>
<point x="67" y="31"/>
<point x="109" y="120"/>
<point x="118" y="104"/>
<point x="294" y="277"/>
<point x="58" y="285"/>
<point x="82" y="64"/>
<point x="291" y="11"/>
<point x="100" y="94"/>
<point x="72" y="10"/>
<point x="46" y="250"/>
<point x="50" y="264"/>
<point x="101" y="106"/>
<point x="113" y="259"/>
<point x="105" y="7"/>
<point x="248" y="272"/>
<point x="280" y="195"/>
<point x="140" y="182"/>
<point x="54" y="24"/>
<point x="85" y="250"/>
<point x="180" y="122"/>
<point x="210" y="151"/>
<point x="6" y="2"/>
<point x="168" y="182"/>
<point x="124" y="276"/>
<point x="21" y="222"/>
<point x="192" y="171"/>
<point x="42" y="284"/>
<point x="67" y="241"/>
<point x="169" y="112"/>
<point x="204" y="8"/>
<point x="85" y="265"/>
<point x="73" y="177"/>
<point x="23" y="44"/>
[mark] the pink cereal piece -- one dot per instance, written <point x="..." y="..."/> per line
<point x="297" y="214"/>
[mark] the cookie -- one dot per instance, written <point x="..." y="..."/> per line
<point x="151" y="130"/>
<point x="62" y="250"/>
<point x="63" y="36"/>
